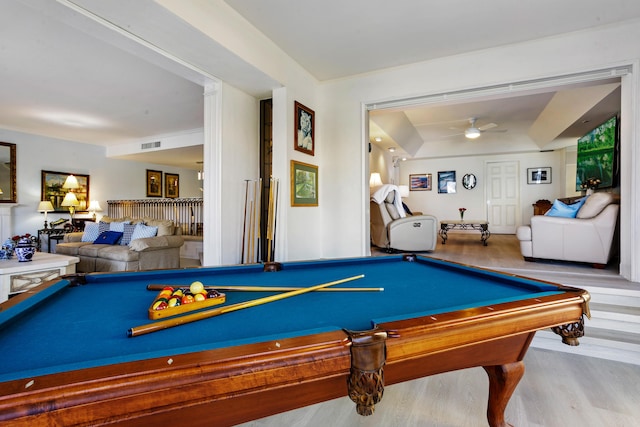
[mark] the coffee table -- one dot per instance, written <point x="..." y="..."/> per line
<point x="465" y="224"/>
<point x="17" y="277"/>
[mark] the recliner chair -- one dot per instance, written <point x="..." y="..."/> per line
<point x="393" y="230"/>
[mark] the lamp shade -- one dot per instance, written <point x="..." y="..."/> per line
<point x="71" y="183"/>
<point x="70" y="200"/>
<point x="94" y="206"/>
<point x="375" y="180"/>
<point x="404" y="190"/>
<point x="45" y="206"/>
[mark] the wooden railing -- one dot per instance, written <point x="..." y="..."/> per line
<point x="185" y="213"/>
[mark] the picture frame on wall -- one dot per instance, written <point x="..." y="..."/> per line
<point x="154" y="183"/>
<point x="539" y="175"/>
<point x="447" y="182"/>
<point x="304" y="184"/>
<point x="420" y="182"/>
<point x="171" y="185"/>
<point x="304" y="134"/>
<point x="51" y="190"/>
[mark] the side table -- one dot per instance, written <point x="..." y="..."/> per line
<point x="17" y="277"/>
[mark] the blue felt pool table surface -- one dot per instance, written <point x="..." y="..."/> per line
<point x="65" y="328"/>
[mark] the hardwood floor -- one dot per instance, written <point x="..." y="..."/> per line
<point x="558" y="389"/>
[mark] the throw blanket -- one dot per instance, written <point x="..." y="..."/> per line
<point x="378" y="194"/>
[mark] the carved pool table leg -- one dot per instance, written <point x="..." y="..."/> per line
<point x="503" y="380"/>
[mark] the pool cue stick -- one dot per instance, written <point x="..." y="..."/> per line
<point x="275" y="218"/>
<point x="259" y="215"/>
<point x="243" y="288"/>
<point x="244" y="223"/>
<point x="250" y="256"/>
<point x="269" y="216"/>
<point x="189" y="318"/>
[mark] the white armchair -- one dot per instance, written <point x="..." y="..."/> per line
<point x="392" y="229"/>
<point x="586" y="238"/>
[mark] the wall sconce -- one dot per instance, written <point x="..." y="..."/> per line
<point x="94" y="206"/>
<point x="375" y="180"/>
<point x="45" y="206"/>
<point x="70" y="201"/>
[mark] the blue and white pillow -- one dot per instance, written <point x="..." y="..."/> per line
<point x="142" y="231"/>
<point x="91" y="232"/>
<point x="104" y="226"/>
<point x="118" y="226"/>
<point x="127" y="234"/>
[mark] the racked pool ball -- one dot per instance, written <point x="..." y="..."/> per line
<point x="196" y="287"/>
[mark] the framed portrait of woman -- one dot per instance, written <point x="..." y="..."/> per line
<point x="304" y="139"/>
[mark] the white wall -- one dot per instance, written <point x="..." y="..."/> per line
<point x="445" y="206"/>
<point x="109" y="179"/>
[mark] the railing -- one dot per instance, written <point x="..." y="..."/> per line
<point x="185" y="213"/>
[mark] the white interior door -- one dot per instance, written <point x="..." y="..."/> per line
<point x="502" y="190"/>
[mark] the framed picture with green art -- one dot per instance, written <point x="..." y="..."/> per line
<point x="304" y="184"/>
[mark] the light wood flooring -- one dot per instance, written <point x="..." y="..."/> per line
<point x="559" y="389"/>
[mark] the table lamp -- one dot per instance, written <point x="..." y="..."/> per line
<point x="404" y="191"/>
<point x="375" y="180"/>
<point x="94" y="206"/>
<point x="70" y="201"/>
<point x="45" y="206"/>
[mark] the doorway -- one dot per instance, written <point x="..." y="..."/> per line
<point x="503" y="196"/>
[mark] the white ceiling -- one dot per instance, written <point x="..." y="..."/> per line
<point x="62" y="75"/>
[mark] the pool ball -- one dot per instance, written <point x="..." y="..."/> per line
<point x="196" y="287"/>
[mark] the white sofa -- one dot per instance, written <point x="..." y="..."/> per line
<point x="586" y="238"/>
<point x="393" y="229"/>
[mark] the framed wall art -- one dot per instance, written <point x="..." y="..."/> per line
<point x="538" y="175"/>
<point x="447" y="182"/>
<point x="171" y="185"/>
<point x="53" y="192"/>
<point x="304" y="184"/>
<point x="305" y="129"/>
<point x="420" y="182"/>
<point x="154" y="183"/>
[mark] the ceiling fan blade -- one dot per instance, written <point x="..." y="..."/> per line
<point x="487" y="126"/>
<point x="496" y="131"/>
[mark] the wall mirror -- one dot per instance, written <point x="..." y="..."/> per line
<point x="469" y="181"/>
<point x="7" y="172"/>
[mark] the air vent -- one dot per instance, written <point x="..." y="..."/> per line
<point x="149" y="145"/>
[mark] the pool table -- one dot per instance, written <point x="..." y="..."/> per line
<point x="66" y="357"/>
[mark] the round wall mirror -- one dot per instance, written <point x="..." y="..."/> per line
<point x="469" y="181"/>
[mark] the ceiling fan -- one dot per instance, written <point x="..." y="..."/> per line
<point x="473" y="132"/>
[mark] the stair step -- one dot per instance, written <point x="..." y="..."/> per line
<point x="631" y="337"/>
<point x="616" y="309"/>
<point x="619" y="351"/>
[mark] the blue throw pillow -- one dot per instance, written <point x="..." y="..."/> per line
<point x="108" y="238"/>
<point x="562" y="210"/>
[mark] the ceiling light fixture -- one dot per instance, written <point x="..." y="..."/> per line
<point x="472" y="132"/>
<point x="392" y="149"/>
<point x="378" y="139"/>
